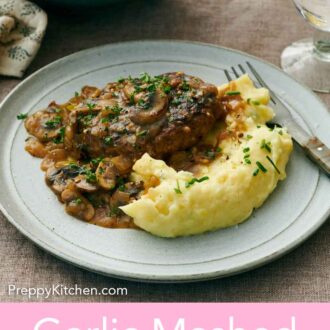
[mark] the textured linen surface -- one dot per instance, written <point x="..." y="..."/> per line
<point x="260" y="27"/>
<point x="22" y="27"/>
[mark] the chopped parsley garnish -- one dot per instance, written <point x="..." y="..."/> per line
<point x="177" y="189"/>
<point x="266" y="145"/>
<point x="233" y="93"/>
<point x="271" y="161"/>
<point x="121" y="184"/>
<point x="194" y="180"/>
<point x="163" y="78"/>
<point x="60" y="138"/>
<point x="96" y="161"/>
<point x="121" y="80"/>
<point x="261" y="167"/>
<point x="115" y="112"/>
<point x="91" y="106"/>
<point x="176" y="101"/>
<point x="101" y="170"/>
<point x="90" y="176"/>
<point x="142" y="133"/>
<point x="116" y="109"/>
<point x="145" y="77"/>
<point x="151" y="88"/>
<point x="76" y="94"/>
<point x="167" y="89"/>
<point x="74" y="166"/>
<point x="108" y="140"/>
<point x="185" y="86"/>
<point x="131" y="99"/>
<point x="114" y="210"/>
<point x="86" y="120"/>
<point x="137" y="89"/>
<point x="77" y="201"/>
<point x="22" y="116"/>
<point x="54" y="122"/>
<point x="143" y="103"/>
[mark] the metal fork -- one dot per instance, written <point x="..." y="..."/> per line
<point x="316" y="150"/>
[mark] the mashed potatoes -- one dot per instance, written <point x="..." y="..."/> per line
<point x="224" y="192"/>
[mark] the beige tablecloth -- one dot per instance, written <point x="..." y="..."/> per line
<point x="260" y="27"/>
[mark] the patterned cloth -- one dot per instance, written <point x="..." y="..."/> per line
<point x="22" y="27"/>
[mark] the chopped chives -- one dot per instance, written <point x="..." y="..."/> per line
<point x="177" y="189"/>
<point x="233" y="93"/>
<point x="261" y="167"/>
<point x="265" y="145"/>
<point x="271" y="161"/>
<point x="194" y="180"/>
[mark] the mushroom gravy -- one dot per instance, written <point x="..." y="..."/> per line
<point x="90" y="143"/>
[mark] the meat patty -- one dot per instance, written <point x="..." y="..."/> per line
<point x="159" y="115"/>
<point x="90" y="143"/>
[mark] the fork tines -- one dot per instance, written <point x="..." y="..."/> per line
<point x="253" y="71"/>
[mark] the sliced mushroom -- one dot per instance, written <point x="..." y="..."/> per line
<point x="156" y="110"/>
<point x="35" y="148"/>
<point x="90" y="92"/>
<point x="209" y="90"/>
<point x="56" y="179"/>
<point x="120" y="197"/>
<point x="123" y="221"/>
<point x="52" y="158"/>
<point x="106" y="174"/>
<point x="59" y="178"/>
<point x="106" y="102"/>
<point x="77" y="205"/>
<point x="134" y="188"/>
<point x="129" y="90"/>
<point x="123" y="164"/>
<point x="45" y="125"/>
<point x="70" y="131"/>
<point x="83" y="184"/>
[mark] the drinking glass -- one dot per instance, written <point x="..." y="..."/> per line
<point x="308" y="60"/>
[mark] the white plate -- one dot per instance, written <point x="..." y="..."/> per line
<point x="292" y="213"/>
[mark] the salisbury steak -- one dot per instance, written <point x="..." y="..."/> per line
<point x="158" y="115"/>
<point x="90" y="143"/>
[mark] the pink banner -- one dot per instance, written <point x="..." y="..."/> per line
<point x="144" y="316"/>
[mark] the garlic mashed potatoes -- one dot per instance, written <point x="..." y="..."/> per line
<point x="224" y="192"/>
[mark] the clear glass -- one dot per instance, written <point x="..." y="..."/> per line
<point x="308" y="60"/>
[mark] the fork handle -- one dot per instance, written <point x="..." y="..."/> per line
<point x="318" y="153"/>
